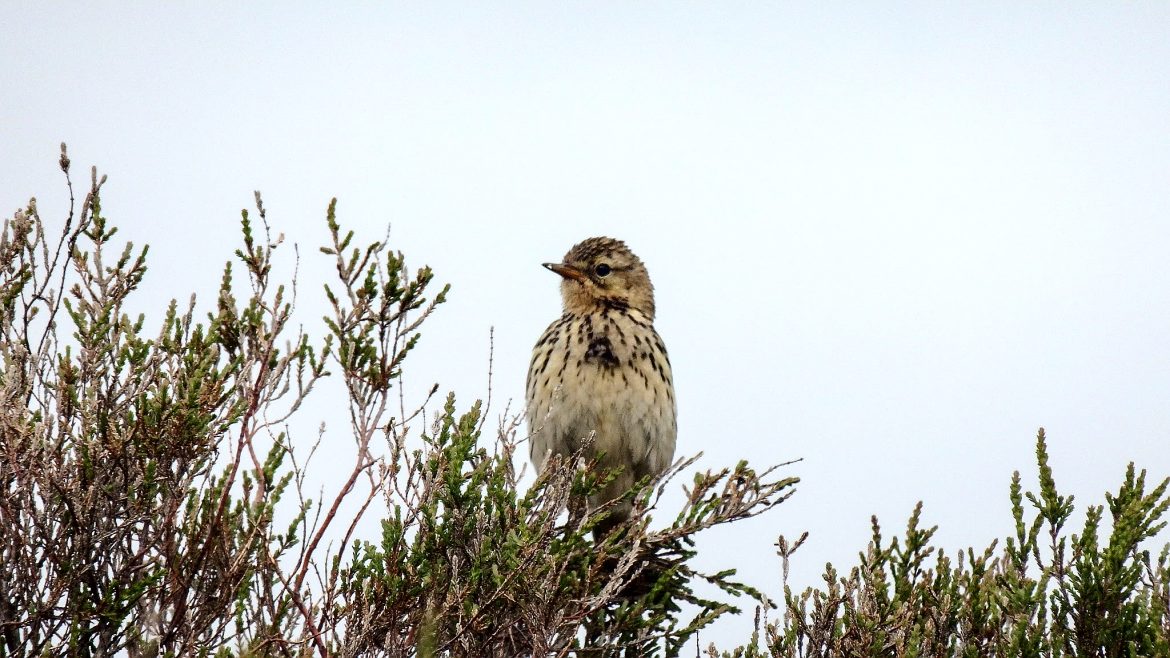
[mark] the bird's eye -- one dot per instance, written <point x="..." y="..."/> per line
<point x="602" y="270"/>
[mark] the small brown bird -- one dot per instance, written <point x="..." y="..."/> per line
<point x="602" y="370"/>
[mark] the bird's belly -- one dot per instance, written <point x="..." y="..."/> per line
<point x="627" y="419"/>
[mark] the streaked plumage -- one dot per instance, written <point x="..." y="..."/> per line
<point x="601" y="367"/>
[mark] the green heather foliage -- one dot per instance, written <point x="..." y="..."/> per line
<point x="154" y="501"/>
<point x="155" y="481"/>
<point x="1045" y="593"/>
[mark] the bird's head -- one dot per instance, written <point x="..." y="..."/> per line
<point x="603" y="272"/>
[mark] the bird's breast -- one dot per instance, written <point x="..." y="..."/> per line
<point x="605" y="375"/>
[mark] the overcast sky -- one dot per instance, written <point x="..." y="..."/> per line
<point x="889" y="239"/>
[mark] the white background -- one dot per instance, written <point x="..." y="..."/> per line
<point x="890" y="240"/>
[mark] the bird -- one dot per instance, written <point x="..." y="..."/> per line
<point x="601" y="372"/>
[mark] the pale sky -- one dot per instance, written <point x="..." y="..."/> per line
<point x="890" y="239"/>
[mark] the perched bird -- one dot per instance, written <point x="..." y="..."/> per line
<point x="601" y="370"/>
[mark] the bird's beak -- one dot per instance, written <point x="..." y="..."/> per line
<point x="567" y="271"/>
